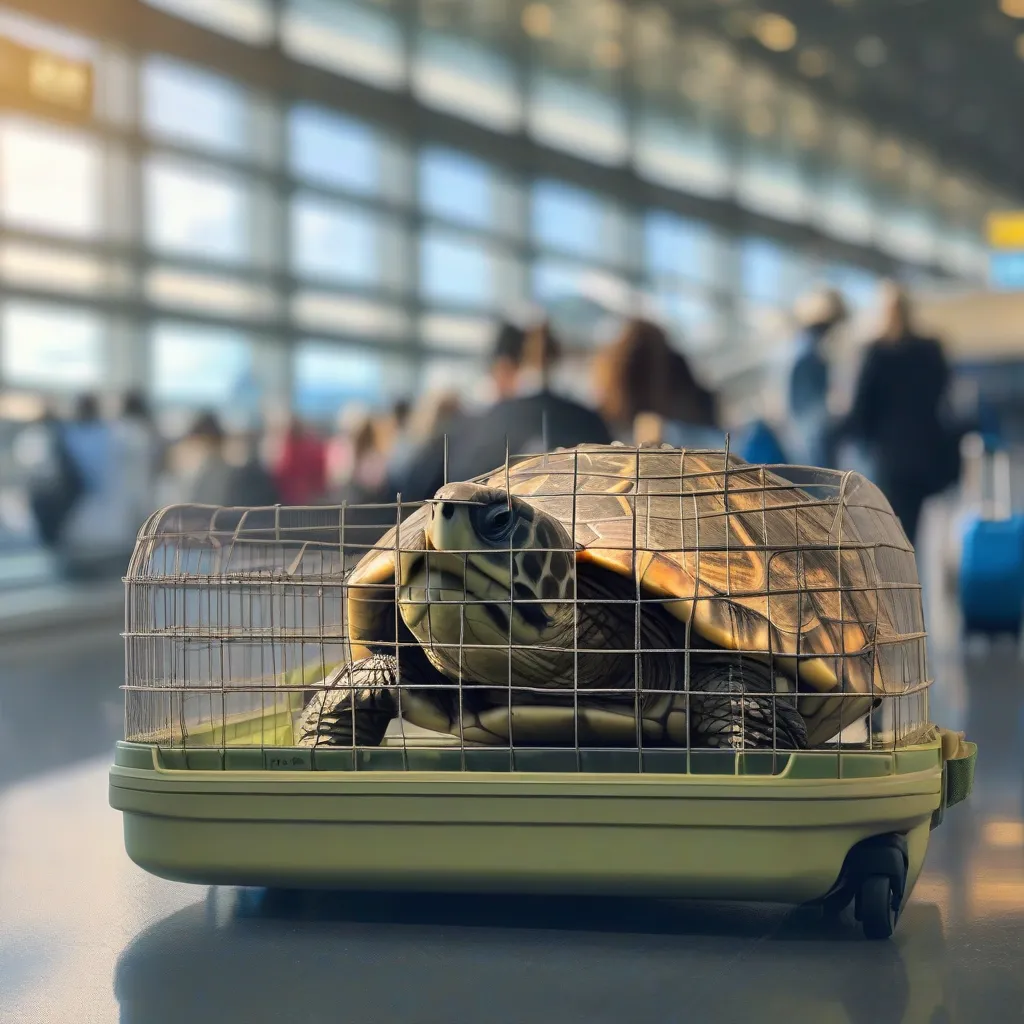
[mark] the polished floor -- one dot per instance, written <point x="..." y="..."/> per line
<point x="86" y="937"/>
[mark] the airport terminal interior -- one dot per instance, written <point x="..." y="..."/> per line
<point x="267" y="252"/>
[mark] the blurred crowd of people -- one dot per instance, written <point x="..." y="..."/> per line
<point x="94" y="479"/>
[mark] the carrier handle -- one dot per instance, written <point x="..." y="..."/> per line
<point x="987" y="478"/>
<point x="998" y="504"/>
<point x="972" y="454"/>
<point x="959" y="758"/>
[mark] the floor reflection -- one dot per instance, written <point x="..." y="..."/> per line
<point x="60" y="700"/>
<point x="439" y="959"/>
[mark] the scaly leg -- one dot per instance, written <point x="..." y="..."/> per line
<point x="729" y="711"/>
<point x="358" y="702"/>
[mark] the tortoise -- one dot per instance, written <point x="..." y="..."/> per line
<point x="546" y="601"/>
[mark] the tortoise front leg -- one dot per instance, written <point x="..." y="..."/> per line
<point x="357" y="704"/>
<point x="729" y="710"/>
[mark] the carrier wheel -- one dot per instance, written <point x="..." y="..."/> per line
<point x="875" y="903"/>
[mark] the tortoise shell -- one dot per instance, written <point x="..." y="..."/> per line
<point x="819" y="578"/>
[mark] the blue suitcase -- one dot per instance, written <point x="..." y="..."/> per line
<point x="992" y="558"/>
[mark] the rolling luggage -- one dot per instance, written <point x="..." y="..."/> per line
<point x="992" y="555"/>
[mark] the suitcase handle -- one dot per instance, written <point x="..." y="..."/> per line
<point x="999" y="500"/>
<point x="988" y="478"/>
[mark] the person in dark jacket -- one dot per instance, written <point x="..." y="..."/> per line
<point x="249" y="482"/>
<point x="527" y="418"/>
<point x="818" y="313"/>
<point x="899" y="413"/>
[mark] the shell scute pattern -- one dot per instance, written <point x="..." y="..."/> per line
<point x="823" y="569"/>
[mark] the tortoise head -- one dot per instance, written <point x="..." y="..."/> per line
<point x="497" y="575"/>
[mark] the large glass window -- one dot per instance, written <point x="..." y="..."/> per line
<point x="679" y="248"/>
<point x="462" y="189"/>
<point x="570" y="220"/>
<point x="695" y="320"/>
<point x="685" y="85"/>
<point x="336" y="151"/>
<point x="54" y="270"/>
<point x="186" y="104"/>
<point x="555" y="281"/>
<point x="461" y="271"/>
<point x="456" y="187"/>
<point x="195" y="211"/>
<point x="845" y="208"/>
<point x="211" y="293"/>
<point x="468" y="79"/>
<point x="907" y="232"/>
<point x="963" y="253"/>
<point x="353" y="315"/>
<point x="327" y="376"/>
<point x="770" y="181"/>
<point x="703" y="122"/>
<point x="52" y="346"/>
<point x="357" y="39"/>
<point x="452" y="374"/>
<point x="770" y="173"/>
<point x="197" y="365"/>
<point x="339" y="241"/>
<point x="251" y="21"/>
<point x="578" y="118"/>
<point x="462" y="61"/>
<point x="845" y="204"/>
<point x="859" y="287"/>
<point x="49" y="179"/>
<point x="458" y="332"/>
<point x="683" y="152"/>
<point x="769" y="273"/>
<point x="46" y="35"/>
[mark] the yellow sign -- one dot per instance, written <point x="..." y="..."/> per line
<point x="58" y="81"/>
<point x="38" y="80"/>
<point x="1006" y="230"/>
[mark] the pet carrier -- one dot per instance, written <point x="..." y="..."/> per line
<point x="608" y="669"/>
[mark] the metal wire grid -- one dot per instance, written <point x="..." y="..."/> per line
<point x="236" y="619"/>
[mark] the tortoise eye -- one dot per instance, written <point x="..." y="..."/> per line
<point x="495" y="522"/>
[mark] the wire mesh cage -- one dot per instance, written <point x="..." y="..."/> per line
<point x="599" y="608"/>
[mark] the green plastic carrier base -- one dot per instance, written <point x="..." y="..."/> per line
<point x="296" y="818"/>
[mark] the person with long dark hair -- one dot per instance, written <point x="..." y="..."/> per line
<point x="640" y="378"/>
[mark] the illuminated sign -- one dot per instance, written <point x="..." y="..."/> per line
<point x="1006" y="229"/>
<point x="39" y="80"/>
